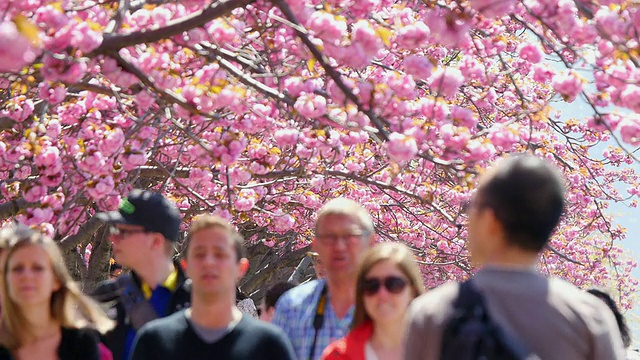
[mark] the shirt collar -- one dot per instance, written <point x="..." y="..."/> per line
<point x="170" y="283"/>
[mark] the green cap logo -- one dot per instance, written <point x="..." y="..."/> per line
<point x="127" y="207"/>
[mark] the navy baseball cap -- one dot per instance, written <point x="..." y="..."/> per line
<point x="148" y="209"/>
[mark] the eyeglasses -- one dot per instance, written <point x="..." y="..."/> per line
<point x="393" y="284"/>
<point x="332" y="239"/>
<point x="114" y="231"/>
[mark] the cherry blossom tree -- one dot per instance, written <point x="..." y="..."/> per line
<point x="260" y="111"/>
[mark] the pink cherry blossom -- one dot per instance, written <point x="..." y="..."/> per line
<point x="53" y="95"/>
<point x="629" y="129"/>
<point x="401" y="147"/>
<point x="100" y="187"/>
<point x="311" y="106"/>
<point x="34" y="192"/>
<point x="412" y="36"/>
<point x="18" y="109"/>
<point x="446" y="81"/>
<point x="327" y="26"/>
<point x="568" y="84"/>
<point x="493" y="8"/>
<point x="246" y="200"/>
<point x="17" y="50"/>
<point x="397" y="104"/>
<point x="530" y="52"/>
<point x="418" y="66"/>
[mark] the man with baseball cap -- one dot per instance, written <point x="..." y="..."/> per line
<point x="143" y="232"/>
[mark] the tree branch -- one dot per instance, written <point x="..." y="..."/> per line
<point x="333" y="74"/>
<point x="6" y="123"/>
<point x="73" y="87"/>
<point x="113" y="43"/>
<point x="249" y="81"/>
<point x="13" y="207"/>
<point x="562" y="256"/>
<point x="116" y="21"/>
<point x="85" y="232"/>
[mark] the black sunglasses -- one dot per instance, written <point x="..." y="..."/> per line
<point x="393" y="284"/>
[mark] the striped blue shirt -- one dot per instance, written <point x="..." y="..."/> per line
<point x="295" y="312"/>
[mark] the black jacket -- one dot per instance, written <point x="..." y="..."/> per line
<point x="108" y="293"/>
<point x="75" y="344"/>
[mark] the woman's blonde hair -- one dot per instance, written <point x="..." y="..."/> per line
<point x="69" y="306"/>
<point x="400" y="256"/>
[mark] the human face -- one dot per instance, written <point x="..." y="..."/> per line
<point x="130" y="244"/>
<point x="479" y="230"/>
<point x="340" y="243"/>
<point x="384" y="306"/>
<point x="212" y="262"/>
<point x="30" y="277"/>
<point x="266" y="314"/>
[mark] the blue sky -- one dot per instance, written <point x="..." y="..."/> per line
<point x="622" y="214"/>
<point x="629" y="218"/>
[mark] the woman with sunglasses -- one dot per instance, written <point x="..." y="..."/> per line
<point x="45" y="316"/>
<point x="388" y="279"/>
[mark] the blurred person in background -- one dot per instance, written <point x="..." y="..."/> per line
<point x="625" y="334"/>
<point x="320" y="311"/>
<point x="268" y="307"/>
<point x="45" y="315"/>
<point x="143" y="232"/>
<point x="388" y="280"/>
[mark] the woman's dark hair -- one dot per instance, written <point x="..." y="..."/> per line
<point x="622" y="325"/>
<point x="274" y="292"/>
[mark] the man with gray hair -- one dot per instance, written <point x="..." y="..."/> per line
<point x="320" y="311"/>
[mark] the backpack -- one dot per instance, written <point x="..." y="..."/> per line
<point x="471" y="334"/>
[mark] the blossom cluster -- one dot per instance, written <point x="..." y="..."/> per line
<point x="261" y="113"/>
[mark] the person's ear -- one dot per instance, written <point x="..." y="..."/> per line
<point x="243" y="267"/>
<point x="493" y="224"/>
<point x="158" y="240"/>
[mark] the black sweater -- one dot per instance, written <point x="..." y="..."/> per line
<point x="75" y="344"/>
<point x="173" y="338"/>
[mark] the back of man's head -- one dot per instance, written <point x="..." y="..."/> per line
<point x="526" y="194"/>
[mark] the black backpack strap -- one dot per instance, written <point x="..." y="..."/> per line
<point x="471" y="333"/>
<point x="318" y="320"/>
<point x="469" y="298"/>
<point x="137" y="308"/>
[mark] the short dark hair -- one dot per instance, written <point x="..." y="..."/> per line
<point x="207" y="221"/>
<point x="622" y="325"/>
<point x="274" y="292"/>
<point x="526" y="194"/>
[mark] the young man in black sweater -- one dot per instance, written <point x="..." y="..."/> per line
<point x="213" y="327"/>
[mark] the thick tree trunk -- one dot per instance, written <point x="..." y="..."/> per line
<point x="269" y="265"/>
<point x="98" y="269"/>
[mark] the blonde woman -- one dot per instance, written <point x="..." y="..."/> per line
<point x="45" y="316"/>
<point x="388" y="279"/>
